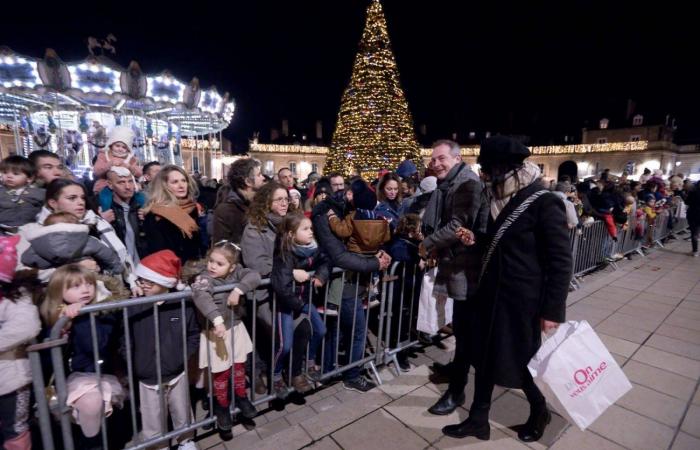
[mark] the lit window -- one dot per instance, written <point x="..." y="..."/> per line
<point x="602" y="140"/>
<point x="293" y="168"/>
<point x="635" y="138"/>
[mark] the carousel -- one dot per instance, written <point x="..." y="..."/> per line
<point x="69" y="108"/>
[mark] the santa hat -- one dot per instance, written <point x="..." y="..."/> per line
<point x="121" y="134"/>
<point x="163" y="268"/>
<point x="8" y="257"/>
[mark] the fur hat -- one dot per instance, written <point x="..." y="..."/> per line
<point x="121" y="134"/>
<point x="363" y="197"/>
<point x="163" y="268"/>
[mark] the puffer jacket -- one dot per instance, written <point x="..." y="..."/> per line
<point x="63" y="243"/>
<point x="364" y="235"/>
<point x="19" y="323"/>
<point x="21" y="209"/>
<point x="213" y="305"/>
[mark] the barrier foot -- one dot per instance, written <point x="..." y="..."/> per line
<point x="373" y="368"/>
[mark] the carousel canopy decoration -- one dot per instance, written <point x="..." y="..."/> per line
<point x="100" y="85"/>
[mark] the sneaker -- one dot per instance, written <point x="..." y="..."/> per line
<point x="314" y="373"/>
<point x="189" y="445"/>
<point x="359" y="384"/>
<point x="301" y="384"/>
<point x="331" y="311"/>
<point x="247" y="409"/>
<point x="280" y="388"/>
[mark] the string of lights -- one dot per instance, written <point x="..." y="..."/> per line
<point x="374" y="128"/>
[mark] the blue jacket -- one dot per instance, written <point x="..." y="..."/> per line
<point x="390" y="211"/>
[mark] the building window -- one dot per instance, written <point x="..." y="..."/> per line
<point x="541" y="166"/>
<point x="314" y="167"/>
<point x="293" y="168"/>
<point x="635" y="138"/>
<point x="602" y="140"/>
<point x="604" y="124"/>
<point x="195" y="164"/>
<point x="269" y="167"/>
<point x="637" y="120"/>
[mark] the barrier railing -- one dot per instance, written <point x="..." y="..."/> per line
<point x="344" y="308"/>
<point x="347" y="325"/>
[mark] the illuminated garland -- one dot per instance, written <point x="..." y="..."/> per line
<point x="374" y="128"/>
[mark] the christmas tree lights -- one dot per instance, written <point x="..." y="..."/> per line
<point x="374" y="129"/>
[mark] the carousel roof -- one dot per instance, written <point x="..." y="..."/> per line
<point x="98" y="84"/>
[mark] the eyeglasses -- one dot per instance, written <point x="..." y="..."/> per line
<point x="280" y="200"/>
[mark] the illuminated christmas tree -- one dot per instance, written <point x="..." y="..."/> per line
<point x="375" y="128"/>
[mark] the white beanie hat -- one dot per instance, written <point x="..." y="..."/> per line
<point x="121" y="134"/>
<point x="428" y="184"/>
<point x="163" y="268"/>
<point x="120" y="171"/>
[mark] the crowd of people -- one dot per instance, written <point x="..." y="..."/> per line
<point x="499" y="243"/>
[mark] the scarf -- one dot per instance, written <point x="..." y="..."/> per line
<point x="433" y="211"/>
<point x="305" y="251"/>
<point x="274" y="220"/>
<point x="515" y="180"/>
<point x="179" y="216"/>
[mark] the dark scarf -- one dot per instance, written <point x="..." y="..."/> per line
<point x="305" y="251"/>
<point x="274" y="220"/>
<point x="433" y="212"/>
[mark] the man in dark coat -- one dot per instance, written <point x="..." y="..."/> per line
<point x="457" y="202"/>
<point x="352" y="314"/>
<point x="692" y="199"/>
<point x="523" y="286"/>
<point x="231" y="210"/>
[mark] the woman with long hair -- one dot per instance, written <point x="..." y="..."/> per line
<point x="171" y="213"/>
<point x="389" y="196"/>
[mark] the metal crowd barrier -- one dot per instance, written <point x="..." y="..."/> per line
<point x="57" y="342"/>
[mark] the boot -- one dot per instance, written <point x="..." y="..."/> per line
<point x="301" y="384"/>
<point x="223" y="421"/>
<point x="533" y="429"/>
<point x="477" y="425"/>
<point x="447" y="404"/>
<point x="247" y="409"/>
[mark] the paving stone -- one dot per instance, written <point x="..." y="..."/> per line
<point x="684" y="322"/>
<point x="326" y="404"/>
<point x="619" y="346"/>
<point x="289" y="438"/>
<point x="378" y="430"/>
<point x="573" y="438"/>
<point x="511" y="410"/>
<point x="686" y="442"/>
<point x="655" y="405"/>
<point x="300" y="415"/>
<point x="242" y="442"/>
<point x="660" y="380"/>
<point x="668" y="361"/>
<point x="691" y="423"/>
<point x="675" y="346"/>
<point x="683" y="334"/>
<point x="327" y="443"/>
<point x="407" y="382"/>
<point x="632" y="430"/>
<point x="271" y="428"/>
<point x="622" y="331"/>
<point x="324" y="424"/>
<point x="499" y="440"/>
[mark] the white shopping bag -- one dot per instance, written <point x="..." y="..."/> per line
<point x="577" y="374"/>
<point x="434" y="312"/>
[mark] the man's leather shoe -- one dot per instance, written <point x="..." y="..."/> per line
<point x="535" y="425"/>
<point x="470" y="427"/>
<point x="447" y="404"/>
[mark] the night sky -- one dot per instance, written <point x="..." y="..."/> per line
<point x="542" y="70"/>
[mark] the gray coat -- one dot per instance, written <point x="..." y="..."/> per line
<point x="213" y="305"/>
<point x="22" y="209"/>
<point x="63" y="243"/>
<point x="463" y="204"/>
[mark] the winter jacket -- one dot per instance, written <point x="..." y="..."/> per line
<point x="213" y="305"/>
<point x="404" y="249"/>
<point x="693" y="202"/>
<point x="64" y="243"/>
<point x="230" y="218"/>
<point x="526" y="279"/>
<point x="106" y="199"/>
<point x="364" y="235"/>
<point x="464" y="204"/>
<point x="391" y="211"/>
<point x="81" y="353"/>
<point x="258" y="248"/>
<point x="161" y="234"/>
<point x="19" y="323"/>
<point x="291" y="297"/>
<point x="143" y="340"/>
<point x="120" y="219"/>
<point x="17" y="210"/>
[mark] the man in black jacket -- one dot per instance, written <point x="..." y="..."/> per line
<point x="350" y="305"/>
<point x="125" y="207"/>
<point x="458" y="201"/>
